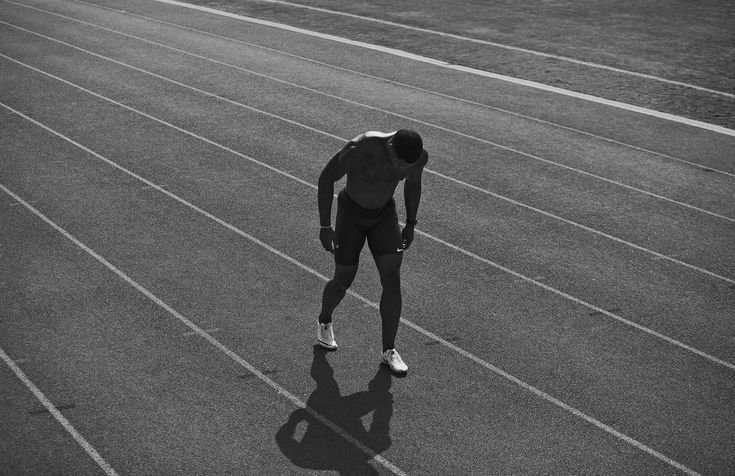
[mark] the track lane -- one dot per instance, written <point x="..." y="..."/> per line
<point x="627" y="126"/>
<point x="607" y="210"/>
<point x="519" y="136"/>
<point x="431" y="92"/>
<point x="141" y="384"/>
<point x="96" y="225"/>
<point x="643" y="296"/>
<point x="153" y="148"/>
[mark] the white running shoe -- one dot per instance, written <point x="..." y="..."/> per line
<point x="394" y="361"/>
<point x="325" y="335"/>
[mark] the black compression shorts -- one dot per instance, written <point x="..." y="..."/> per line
<point x="355" y="223"/>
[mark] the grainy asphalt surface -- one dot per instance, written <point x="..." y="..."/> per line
<point x="539" y="259"/>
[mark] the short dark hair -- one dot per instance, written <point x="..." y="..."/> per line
<point x="408" y="145"/>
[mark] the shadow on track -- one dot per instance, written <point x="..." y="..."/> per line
<point x="320" y="448"/>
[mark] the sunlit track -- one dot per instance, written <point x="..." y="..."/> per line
<point x="436" y="173"/>
<point x="535" y="282"/>
<point x="164" y="271"/>
<point x="281" y="390"/>
<point x="418" y="121"/>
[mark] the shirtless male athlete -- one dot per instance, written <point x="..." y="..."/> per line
<point x="374" y="163"/>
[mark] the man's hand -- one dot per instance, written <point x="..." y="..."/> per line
<point x="407" y="235"/>
<point x="326" y="236"/>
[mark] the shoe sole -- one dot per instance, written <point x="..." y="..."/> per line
<point x="327" y="346"/>
<point x="399" y="372"/>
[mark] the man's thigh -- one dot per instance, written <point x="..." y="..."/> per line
<point x="385" y="237"/>
<point x="349" y="238"/>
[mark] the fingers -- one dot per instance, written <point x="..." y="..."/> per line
<point x="327" y="237"/>
<point x="407" y="237"/>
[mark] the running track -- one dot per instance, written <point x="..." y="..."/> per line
<point x="568" y="302"/>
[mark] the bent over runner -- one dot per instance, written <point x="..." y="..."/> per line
<point x="374" y="162"/>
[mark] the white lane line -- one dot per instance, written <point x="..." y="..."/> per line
<point x="365" y="75"/>
<point x="656" y="254"/>
<point x="434" y="238"/>
<point x="508" y="47"/>
<point x="86" y="446"/>
<point x="510" y="79"/>
<point x="349" y="101"/>
<point x="608" y="236"/>
<point x="217" y="344"/>
<point x="298" y="402"/>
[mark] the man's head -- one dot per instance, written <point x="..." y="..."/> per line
<point x="408" y="145"/>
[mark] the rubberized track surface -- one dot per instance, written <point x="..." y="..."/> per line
<point x="568" y="300"/>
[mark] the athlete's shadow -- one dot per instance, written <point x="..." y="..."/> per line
<point x="309" y="443"/>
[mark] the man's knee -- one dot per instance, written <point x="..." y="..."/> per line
<point x="391" y="284"/>
<point x="389" y="268"/>
<point x="344" y="276"/>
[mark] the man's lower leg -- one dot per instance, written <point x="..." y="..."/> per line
<point x="335" y="290"/>
<point x="389" y="268"/>
<point x="332" y="296"/>
<point x="390" y="316"/>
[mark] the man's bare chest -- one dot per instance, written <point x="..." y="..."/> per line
<point x="376" y="169"/>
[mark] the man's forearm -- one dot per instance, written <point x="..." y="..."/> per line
<point x="325" y="196"/>
<point x="412" y="197"/>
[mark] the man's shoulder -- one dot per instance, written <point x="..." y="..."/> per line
<point x="366" y="146"/>
<point x="372" y="136"/>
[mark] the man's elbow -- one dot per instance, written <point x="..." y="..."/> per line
<point x="326" y="181"/>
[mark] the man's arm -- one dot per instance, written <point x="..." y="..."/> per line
<point x="412" y="188"/>
<point x="412" y="197"/>
<point x="332" y="172"/>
